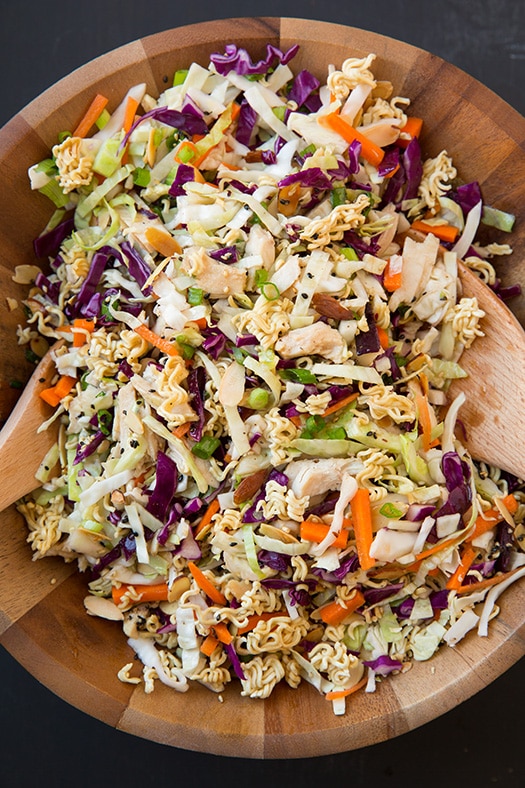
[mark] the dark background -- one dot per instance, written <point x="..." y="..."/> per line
<point x="44" y="741"/>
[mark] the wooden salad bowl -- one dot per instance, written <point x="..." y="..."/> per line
<point x="42" y="617"/>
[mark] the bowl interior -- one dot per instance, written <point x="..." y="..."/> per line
<point x="42" y="617"/>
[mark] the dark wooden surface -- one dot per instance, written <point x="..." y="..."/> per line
<point x="47" y="742"/>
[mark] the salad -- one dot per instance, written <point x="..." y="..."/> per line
<point x="253" y="287"/>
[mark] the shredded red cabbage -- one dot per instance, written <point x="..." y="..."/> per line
<point x="165" y="486"/>
<point x="238" y="60"/>
<point x="187" y="122"/>
<point x="368" y="341"/>
<point x="196" y="383"/>
<point x="383" y="665"/>
<point x="48" y="244"/>
<point x="234" y="659"/>
<point x="245" y="123"/>
<point x="184" y="174"/>
<point x="137" y="266"/>
<point x="313" y="177"/>
<point x="228" y="254"/>
<point x="302" y="87"/>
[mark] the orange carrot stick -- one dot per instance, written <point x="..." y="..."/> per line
<point x="80" y="329"/>
<point x="341" y="404"/>
<point x="209" y="645"/>
<point x="92" y="114"/>
<point x="154" y="339"/>
<point x="384" y="341"/>
<point x="467" y="559"/>
<point x="223" y="633"/>
<point x="335" y="694"/>
<point x="254" y="619"/>
<point x="423" y="412"/>
<point x="206" y="585"/>
<point x="182" y="429"/>
<point x="369" y="150"/>
<point x="413" y="126"/>
<point x="206" y="518"/>
<point x="488" y="583"/>
<point x="492" y="517"/>
<point x="316" y="532"/>
<point x="129" y="113"/>
<point x="392" y="275"/>
<point x="157" y="592"/>
<point x="55" y="393"/>
<point x="445" y="232"/>
<point x="362" y="517"/>
<point x="336" y="612"/>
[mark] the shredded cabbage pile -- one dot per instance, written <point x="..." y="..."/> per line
<point x="258" y="467"/>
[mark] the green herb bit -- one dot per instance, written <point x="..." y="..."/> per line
<point x="206" y="447"/>
<point x="298" y="375"/>
<point x="391" y="511"/>
<point x="180" y="76"/>
<point x="195" y="296"/>
<point x="258" y="399"/>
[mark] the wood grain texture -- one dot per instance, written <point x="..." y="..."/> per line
<point x="45" y="625"/>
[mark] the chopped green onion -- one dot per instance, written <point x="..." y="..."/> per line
<point x="187" y="350"/>
<point x="261" y="277"/>
<point x="105" y="420"/>
<point x="47" y="166"/>
<point x="308" y="151"/>
<point x="391" y="511"/>
<point x="83" y="381"/>
<point x="31" y="357"/>
<point x="336" y="434"/>
<point x="16" y="384"/>
<point x="141" y="176"/>
<point x="63" y="135"/>
<point x="338" y="196"/>
<point x="279" y="112"/>
<point x="350" y="253"/>
<point x="53" y="192"/>
<point x="258" y="399"/>
<point x="179" y="76"/>
<point x="298" y="375"/>
<point x="108" y="158"/>
<point x="186" y="154"/>
<point x="270" y="291"/>
<point x="195" y="296"/>
<point x="206" y="447"/>
<point x="102" y="119"/>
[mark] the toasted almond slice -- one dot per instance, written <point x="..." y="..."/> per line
<point x="250" y="485"/>
<point x="278" y="533"/>
<point x="328" y="306"/>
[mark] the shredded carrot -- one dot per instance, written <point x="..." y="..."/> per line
<point x="341" y="404"/>
<point x="157" y="592"/>
<point x="434" y="549"/>
<point x="154" y="339"/>
<point x="336" y="612"/>
<point x="206" y="585"/>
<point x="311" y="531"/>
<point x="369" y="150"/>
<point x="492" y="517"/>
<point x="384" y="341"/>
<point x="467" y="559"/>
<point x="335" y="694"/>
<point x="55" y="393"/>
<point x="81" y="328"/>
<point x="254" y="619"/>
<point x="490" y="581"/>
<point x="223" y="633"/>
<point x="393" y="172"/>
<point x="296" y="420"/>
<point x="362" y="517"/>
<point x="413" y="126"/>
<point x="92" y="114"/>
<point x="182" y="429"/>
<point x="423" y="412"/>
<point x="209" y="645"/>
<point x="129" y="114"/>
<point x="201" y="323"/>
<point x="445" y="232"/>
<point x="212" y="509"/>
<point x="392" y="275"/>
<point x="162" y="241"/>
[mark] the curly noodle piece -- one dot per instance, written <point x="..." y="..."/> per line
<point x="342" y="668"/>
<point x="354" y="71"/>
<point x="276" y="634"/>
<point x="74" y="167"/>
<point x="465" y="317"/>
<point x="321" y="232"/>
<point x="383" y="401"/>
<point x="261" y="676"/>
<point x="436" y="179"/>
<point x="43" y="523"/>
<point x="268" y="320"/>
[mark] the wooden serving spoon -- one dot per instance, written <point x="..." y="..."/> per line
<point x="493" y="415"/>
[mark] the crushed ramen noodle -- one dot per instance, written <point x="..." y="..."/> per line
<point x="257" y="467"/>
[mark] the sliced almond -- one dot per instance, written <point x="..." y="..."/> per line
<point x="178" y="587"/>
<point x="328" y="306"/>
<point x="277" y="533"/>
<point x="250" y="485"/>
<point x="103" y="608"/>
